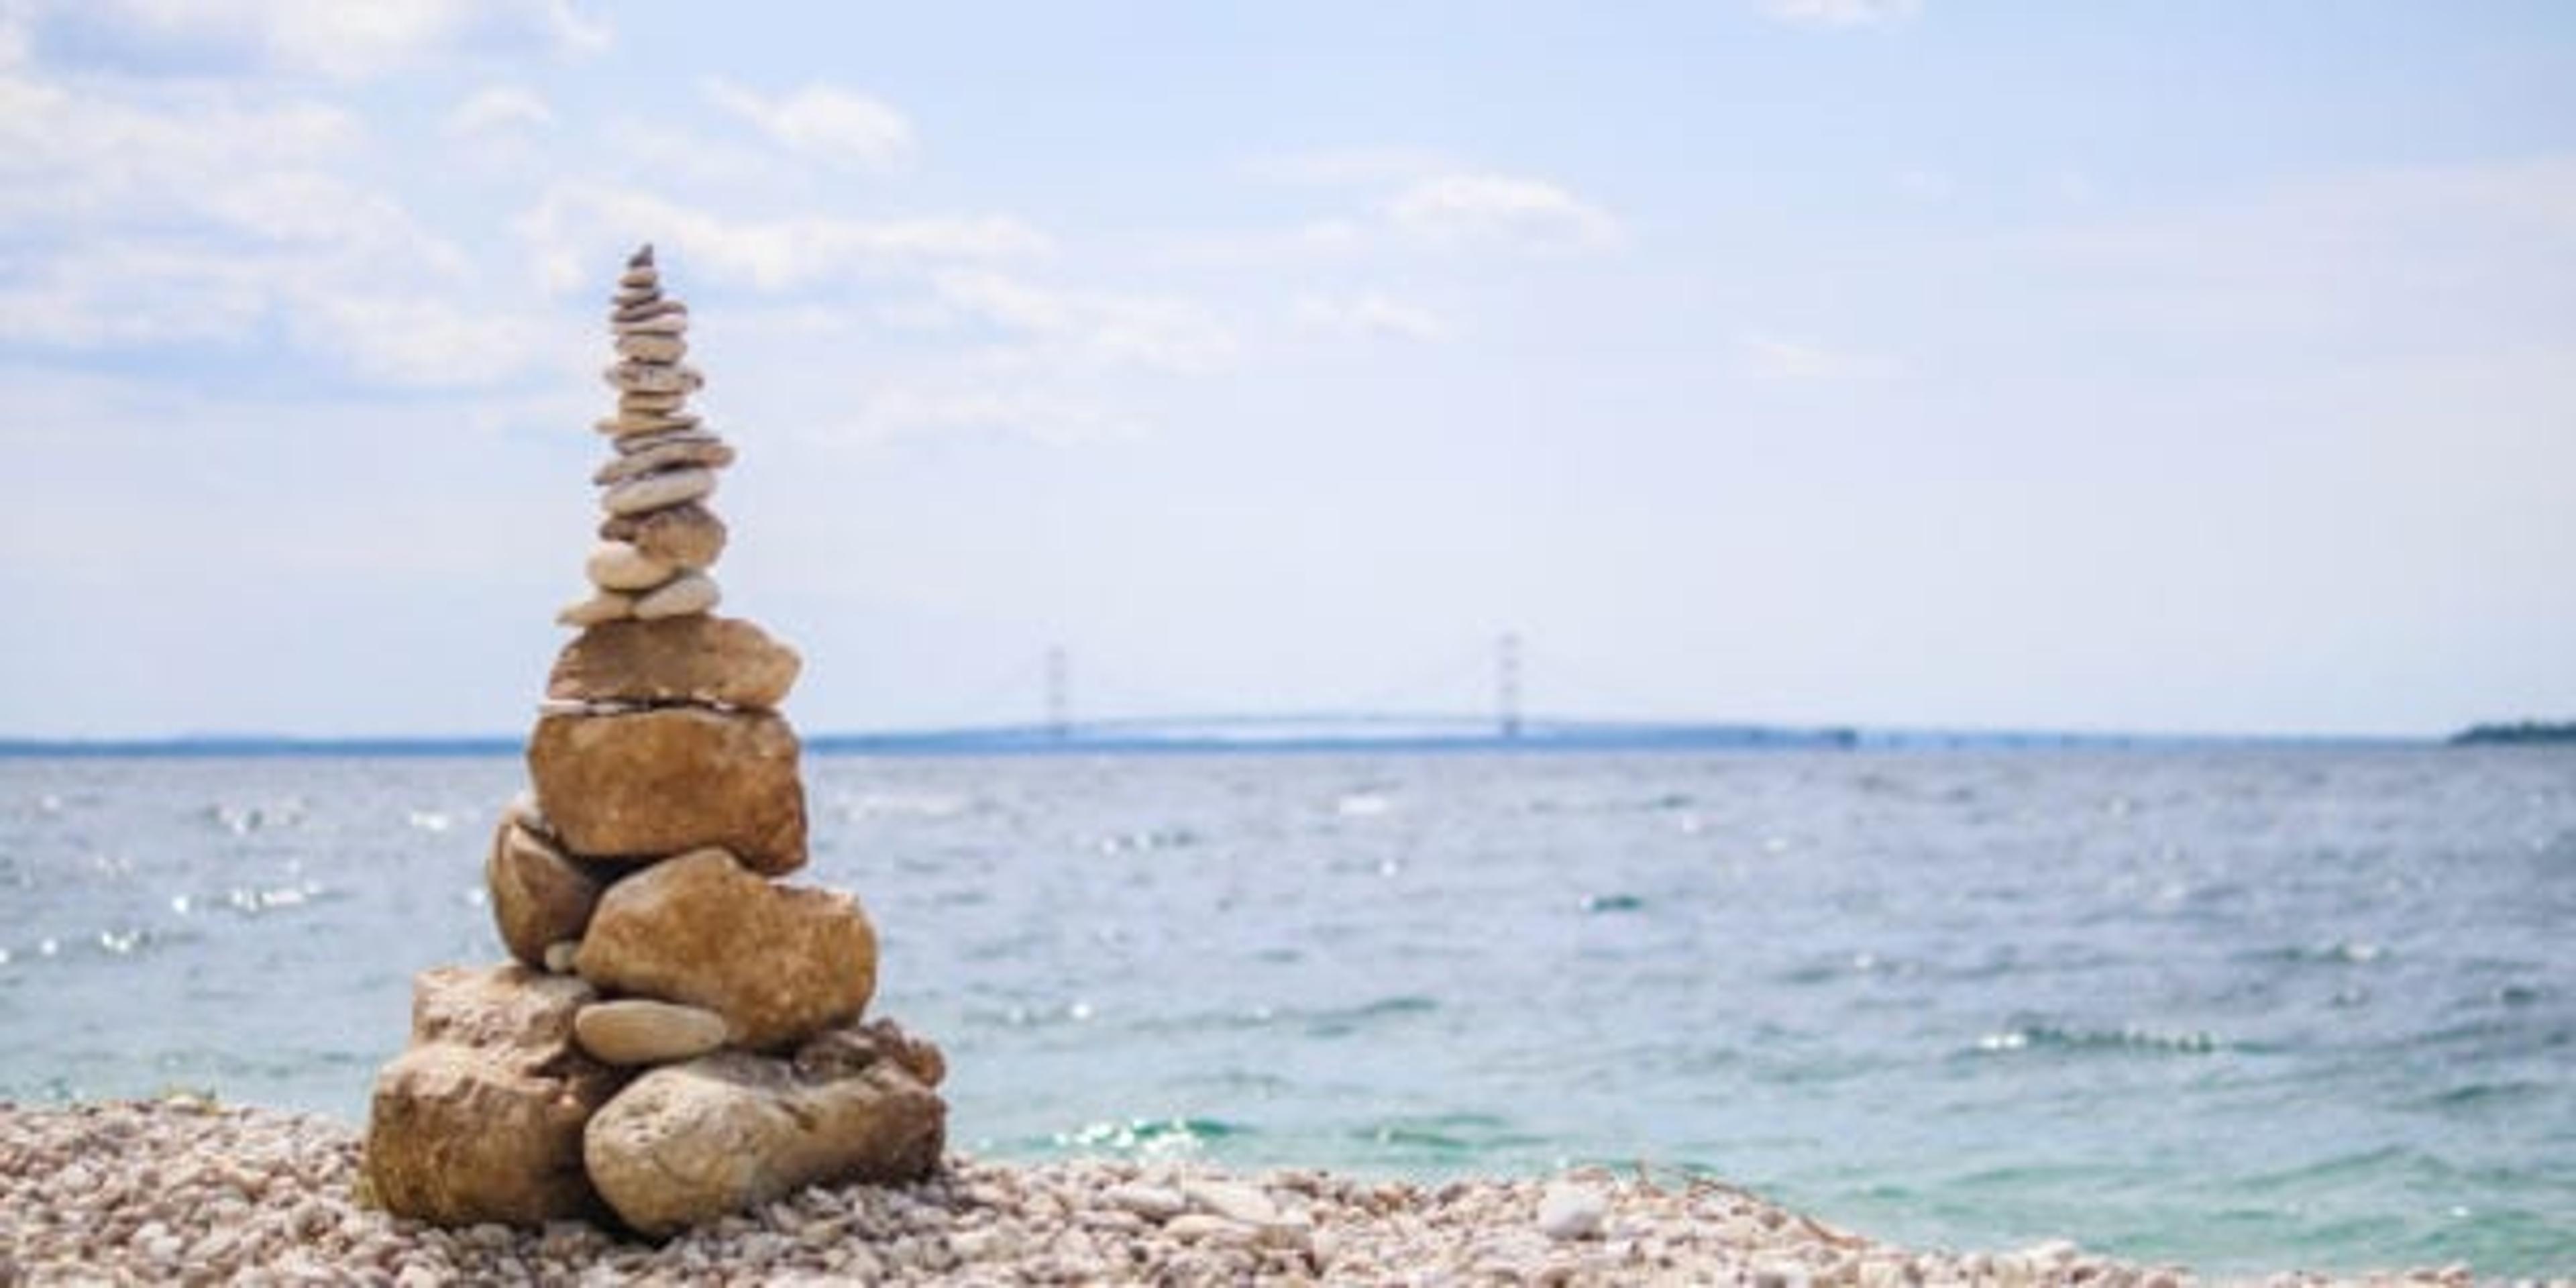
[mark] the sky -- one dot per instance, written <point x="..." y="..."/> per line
<point x="2183" y="367"/>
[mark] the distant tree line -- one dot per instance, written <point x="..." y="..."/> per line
<point x="2520" y="731"/>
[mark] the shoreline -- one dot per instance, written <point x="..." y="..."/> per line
<point x="185" y="1191"/>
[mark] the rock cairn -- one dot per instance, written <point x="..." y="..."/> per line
<point x="679" y="1034"/>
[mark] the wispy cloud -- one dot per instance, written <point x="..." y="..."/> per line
<point x="497" y="109"/>
<point x="1841" y="13"/>
<point x="1092" y="328"/>
<point x="575" y="225"/>
<point x="1496" y="209"/>
<point x="347" y="41"/>
<point x="822" y="121"/>
<point x="1369" y="314"/>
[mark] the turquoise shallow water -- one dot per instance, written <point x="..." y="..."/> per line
<point x="2248" y="1009"/>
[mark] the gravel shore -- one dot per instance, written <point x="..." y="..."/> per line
<point x="181" y="1191"/>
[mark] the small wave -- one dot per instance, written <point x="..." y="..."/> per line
<point x="1446" y="1134"/>
<point x="1600" y="903"/>
<point x="1164" y="838"/>
<point x="1345" y="1021"/>
<point x="1150" y="1137"/>
<point x="1364" y="805"/>
<point x="2049" y="1037"/>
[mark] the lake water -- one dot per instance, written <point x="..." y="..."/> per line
<point x="2245" y="1008"/>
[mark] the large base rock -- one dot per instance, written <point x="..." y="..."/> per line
<point x="779" y="963"/>
<point x="540" y="895"/>
<point x="697" y="658"/>
<point x="482" y="1119"/>
<point x="645" y="784"/>
<point x="688" y="1143"/>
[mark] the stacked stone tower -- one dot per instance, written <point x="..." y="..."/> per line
<point x="679" y="1034"/>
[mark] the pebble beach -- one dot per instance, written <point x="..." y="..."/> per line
<point x="185" y="1191"/>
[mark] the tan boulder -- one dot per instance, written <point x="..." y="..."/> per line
<point x="685" y="536"/>
<point x="779" y="963"/>
<point x="644" y="784"/>
<point x="697" y="658"/>
<point x="539" y="894"/>
<point x="482" y="1118"/>
<point x="688" y="1143"/>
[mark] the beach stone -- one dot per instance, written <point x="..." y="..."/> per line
<point x="482" y="1118"/>
<point x="780" y="963"/>
<point x="618" y="565"/>
<point x="699" y="658"/>
<point x="685" y="536"/>
<point x="690" y="592"/>
<point x="641" y="404"/>
<point x="636" y="444"/>
<point x="645" y="784"/>
<point x="656" y="491"/>
<point x="688" y="1143"/>
<point x="1567" y="1212"/>
<point x="708" y="451"/>
<point x="659" y="324"/>
<point x="602" y="606"/>
<point x="539" y="894"/>
<point x="652" y="348"/>
<point x="560" y="954"/>
<point x="638" y="1030"/>
<point x="1232" y="1200"/>
<point x="640" y="305"/>
<point x="1152" y="1202"/>
<point x="627" y="425"/>
<point x="654" y="377"/>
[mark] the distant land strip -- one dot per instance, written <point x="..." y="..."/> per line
<point x="1282" y="734"/>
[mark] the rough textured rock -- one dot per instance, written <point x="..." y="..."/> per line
<point x="687" y="1143"/>
<point x="482" y="1118"/>
<point x="539" y="894"/>
<point x="686" y="536"/>
<point x="780" y="963"/>
<point x="645" y="784"/>
<point x="636" y="1030"/>
<point x="678" y="659"/>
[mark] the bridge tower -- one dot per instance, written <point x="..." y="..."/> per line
<point x="1507" y="685"/>
<point x="1059" y="693"/>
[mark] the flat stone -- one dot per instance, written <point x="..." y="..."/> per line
<point x="1152" y="1202"/>
<point x="663" y="324"/>
<point x="658" y="491"/>
<point x="652" y="348"/>
<point x="686" y="594"/>
<point x="482" y="1118"/>
<point x="648" y="304"/>
<point x="698" y="658"/>
<point x="602" y="606"/>
<point x="688" y="1143"/>
<point x="539" y="894"/>
<point x="645" y="784"/>
<point x="686" y="536"/>
<point x="634" y="1030"/>
<point x="618" y="565"/>
<point x="654" y="377"/>
<point x="711" y="452"/>
<point x="688" y="431"/>
<point x="634" y="424"/>
<point x="640" y="404"/>
<point x="780" y="963"/>
<point x="1232" y="1200"/>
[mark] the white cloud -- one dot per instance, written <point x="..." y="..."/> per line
<point x="346" y="40"/>
<point x="1766" y="357"/>
<point x="1501" y="209"/>
<point x="1841" y="13"/>
<point x="822" y="121"/>
<point x="1089" y="328"/>
<point x="575" y="228"/>
<point x="1370" y="314"/>
<point x="499" y="108"/>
